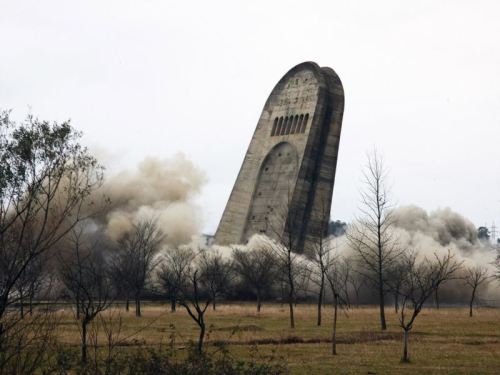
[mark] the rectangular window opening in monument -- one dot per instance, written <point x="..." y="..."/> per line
<point x="289" y="125"/>
<point x="280" y="123"/>
<point x="304" y="124"/>
<point x="283" y="128"/>
<point x="274" y="126"/>
<point x="295" y="122"/>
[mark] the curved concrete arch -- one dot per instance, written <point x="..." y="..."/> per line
<point x="273" y="190"/>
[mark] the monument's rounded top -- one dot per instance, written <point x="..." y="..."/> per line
<point x="323" y="77"/>
<point x="319" y="72"/>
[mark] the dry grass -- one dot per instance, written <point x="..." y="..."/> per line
<point x="443" y="341"/>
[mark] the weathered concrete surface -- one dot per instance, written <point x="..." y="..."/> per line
<point x="289" y="168"/>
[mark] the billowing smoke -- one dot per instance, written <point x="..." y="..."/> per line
<point x="443" y="227"/>
<point x="438" y="232"/>
<point x="157" y="189"/>
<point x="441" y="231"/>
<point x="431" y="233"/>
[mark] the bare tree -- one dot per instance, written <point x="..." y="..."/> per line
<point x="334" y="270"/>
<point x="321" y="250"/>
<point x="347" y="273"/>
<point x="46" y="182"/>
<point x="336" y="280"/>
<point x="138" y="257"/>
<point x="289" y="265"/>
<point x="29" y="283"/>
<point x="84" y="272"/>
<point x="173" y="272"/>
<point x="356" y="280"/>
<point x="396" y="277"/>
<point x="451" y="275"/>
<point x="195" y="296"/>
<point x="120" y="268"/>
<point x="304" y="276"/>
<point x="321" y="260"/>
<point x="284" y="228"/>
<point x="496" y="263"/>
<point x="216" y="273"/>
<point x="371" y="235"/>
<point x="28" y="344"/>
<point x="474" y="278"/>
<point x="196" y="305"/>
<point x="256" y="267"/>
<point x="420" y="281"/>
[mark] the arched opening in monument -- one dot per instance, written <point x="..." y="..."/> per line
<point x="273" y="191"/>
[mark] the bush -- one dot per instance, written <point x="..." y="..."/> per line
<point x="171" y="361"/>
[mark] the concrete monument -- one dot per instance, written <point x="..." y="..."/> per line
<point x="286" y="180"/>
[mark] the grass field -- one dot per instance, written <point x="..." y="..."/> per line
<point x="444" y="341"/>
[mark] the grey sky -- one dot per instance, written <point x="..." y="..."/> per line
<point x="153" y="78"/>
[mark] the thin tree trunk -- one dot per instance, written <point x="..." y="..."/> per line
<point x="396" y="302"/>
<point x="436" y="297"/>
<point x="258" y="301"/>
<point x="1" y="336"/>
<point x="320" y="298"/>
<point x="84" y="341"/>
<point x="213" y="301"/>
<point x="471" y="303"/>
<point x="21" y="303"/>
<point x="201" y="323"/>
<point x="334" y="334"/>
<point x="383" y="325"/>
<point x="127" y="304"/>
<point x="138" y="307"/>
<point x="380" y="269"/>
<point x="78" y="304"/>
<point x="347" y="299"/>
<point x="405" y="358"/>
<point x="172" y="304"/>
<point x="282" y="287"/>
<point x="356" y="291"/>
<point x="291" y="292"/>
<point x="30" y="306"/>
<point x="292" y="320"/>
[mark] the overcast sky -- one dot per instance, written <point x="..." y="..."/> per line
<point x="154" y="78"/>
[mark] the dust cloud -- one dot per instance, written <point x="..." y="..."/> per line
<point x="163" y="190"/>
